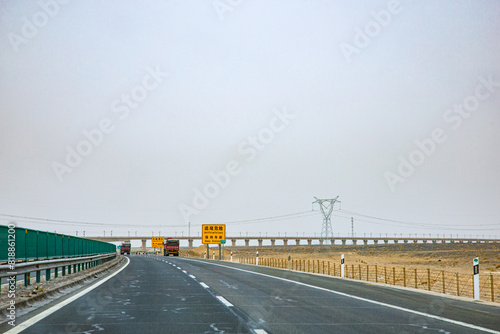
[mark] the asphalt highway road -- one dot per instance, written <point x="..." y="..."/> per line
<point x="182" y="295"/>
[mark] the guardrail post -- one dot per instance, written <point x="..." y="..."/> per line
<point x="27" y="279"/>
<point x="404" y="277"/>
<point x="63" y="270"/>
<point x="491" y="288"/>
<point x="38" y="276"/>
<point x="442" y="277"/>
<point x="428" y="279"/>
<point x="56" y="272"/>
<point x="47" y="275"/>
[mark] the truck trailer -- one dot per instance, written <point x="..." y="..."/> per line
<point x="125" y="247"/>
<point x="171" y="247"/>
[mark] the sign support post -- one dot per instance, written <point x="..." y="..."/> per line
<point x="475" y="267"/>
<point x="342" y="266"/>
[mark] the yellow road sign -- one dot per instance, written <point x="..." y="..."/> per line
<point x="213" y="233"/>
<point x="157" y="241"/>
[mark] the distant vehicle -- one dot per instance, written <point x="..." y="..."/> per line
<point x="171" y="247"/>
<point x="125" y="248"/>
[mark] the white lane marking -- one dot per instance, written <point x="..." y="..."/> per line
<point x="204" y="285"/>
<point x="455" y="322"/>
<point x="192" y="276"/>
<point x="185" y="272"/>
<point x="30" y="322"/>
<point x="224" y="301"/>
<point x="259" y="331"/>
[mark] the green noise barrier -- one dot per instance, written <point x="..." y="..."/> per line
<point x="33" y="245"/>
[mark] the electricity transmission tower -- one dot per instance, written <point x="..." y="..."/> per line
<point x="326" y="206"/>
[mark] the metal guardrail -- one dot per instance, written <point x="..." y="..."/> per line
<point x="33" y="245"/>
<point x="7" y="270"/>
<point x="68" y="266"/>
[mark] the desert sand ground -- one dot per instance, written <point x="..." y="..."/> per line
<point x="454" y="257"/>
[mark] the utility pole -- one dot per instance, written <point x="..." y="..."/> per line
<point x="352" y="227"/>
<point x="326" y="206"/>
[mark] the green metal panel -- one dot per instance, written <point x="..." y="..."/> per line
<point x="4" y="246"/>
<point x="20" y="243"/>
<point x="51" y="242"/>
<point x="59" y="244"/>
<point x="31" y="244"/>
<point x="85" y="247"/>
<point x="65" y="246"/>
<point x="42" y="245"/>
<point x="71" y="246"/>
<point x="79" y="246"/>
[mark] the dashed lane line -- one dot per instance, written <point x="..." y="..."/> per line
<point x="451" y="321"/>
<point x="224" y="301"/>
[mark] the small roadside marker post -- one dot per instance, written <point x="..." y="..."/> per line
<point x="475" y="263"/>
<point x="231" y="256"/>
<point x="213" y="255"/>
<point x="342" y="266"/>
<point x="257" y="258"/>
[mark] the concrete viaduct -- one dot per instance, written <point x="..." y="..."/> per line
<point x="335" y="240"/>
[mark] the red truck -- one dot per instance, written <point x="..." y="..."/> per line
<point x="171" y="247"/>
<point x="125" y="248"/>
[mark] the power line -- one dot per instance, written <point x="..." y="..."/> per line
<point x="49" y="221"/>
<point x="430" y="226"/>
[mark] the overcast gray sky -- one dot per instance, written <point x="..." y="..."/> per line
<point x="144" y="115"/>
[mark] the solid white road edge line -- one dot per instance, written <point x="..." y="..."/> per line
<point x="224" y="301"/>
<point x="455" y="322"/>
<point x="30" y="322"/>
